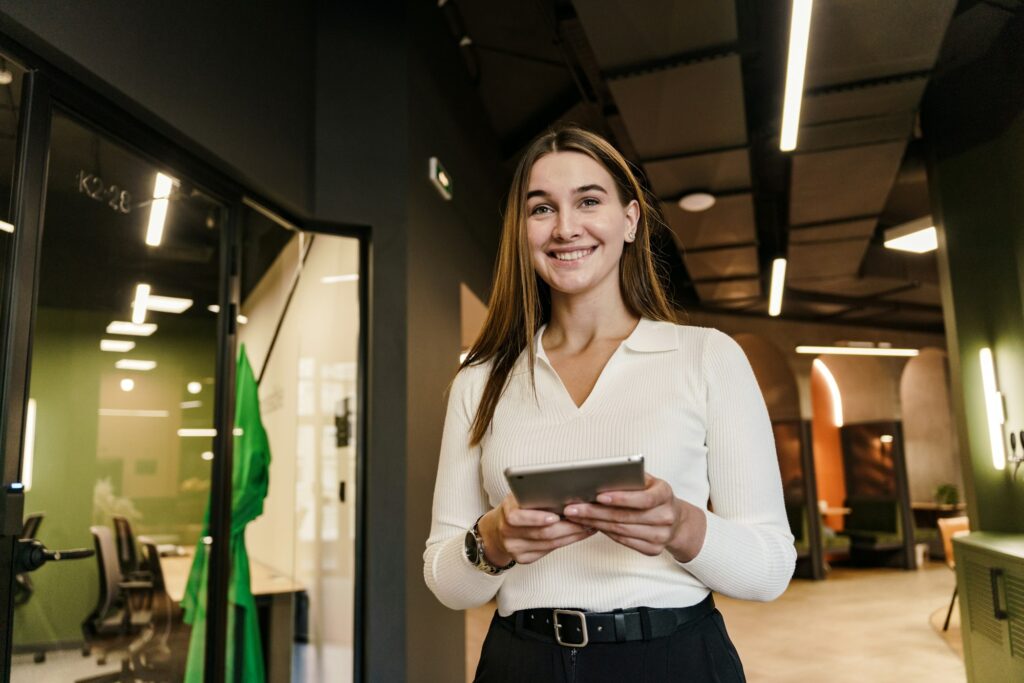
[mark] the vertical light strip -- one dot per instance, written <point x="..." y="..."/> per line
<point x="993" y="407"/>
<point x="833" y="389"/>
<point x="158" y="209"/>
<point x="139" y="306"/>
<point x="778" y="284"/>
<point x="799" y="35"/>
<point x="28" y="454"/>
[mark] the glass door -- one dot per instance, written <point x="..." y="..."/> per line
<point x="119" y="427"/>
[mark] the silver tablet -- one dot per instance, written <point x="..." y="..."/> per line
<point x="552" y="487"/>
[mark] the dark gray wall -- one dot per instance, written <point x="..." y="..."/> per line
<point x="449" y="242"/>
<point x="235" y="77"/>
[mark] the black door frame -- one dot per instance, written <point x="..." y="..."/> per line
<point x="47" y="90"/>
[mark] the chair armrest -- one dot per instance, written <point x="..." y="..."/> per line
<point x="136" y="585"/>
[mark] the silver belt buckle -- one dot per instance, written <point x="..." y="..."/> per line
<point x="558" y="627"/>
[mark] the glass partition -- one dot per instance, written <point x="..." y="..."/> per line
<point x="118" y="445"/>
<point x="300" y="310"/>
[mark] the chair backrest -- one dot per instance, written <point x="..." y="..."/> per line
<point x="948" y="528"/>
<point x="31" y="527"/>
<point x="880" y="516"/>
<point x="151" y="556"/>
<point x="127" y="554"/>
<point x="109" y="570"/>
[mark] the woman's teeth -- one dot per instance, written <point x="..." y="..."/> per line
<point x="573" y="255"/>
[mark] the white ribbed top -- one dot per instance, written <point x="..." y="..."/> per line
<point x="686" y="398"/>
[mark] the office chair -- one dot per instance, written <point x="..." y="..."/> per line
<point x="23" y="586"/>
<point x="113" y="625"/>
<point x="950" y="527"/>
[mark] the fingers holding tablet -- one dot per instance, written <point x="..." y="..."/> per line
<point x="524" y="535"/>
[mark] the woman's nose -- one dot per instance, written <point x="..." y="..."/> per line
<point x="566" y="226"/>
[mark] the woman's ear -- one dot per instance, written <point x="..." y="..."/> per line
<point x="632" y="217"/>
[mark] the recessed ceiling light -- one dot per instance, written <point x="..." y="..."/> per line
<point x="135" y="364"/>
<point x="139" y="306"/>
<point x="194" y="387"/>
<point x="331" y="279"/>
<point x="917" y="236"/>
<point x="123" y="327"/>
<point x="127" y="384"/>
<point x="116" y="345"/>
<point x="213" y="308"/>
<point x="697" y="201"/>
<point x="168" y="304"/>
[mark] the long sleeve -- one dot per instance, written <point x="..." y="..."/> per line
<point x="459" y="499"/>
<point x="748" y="550"/>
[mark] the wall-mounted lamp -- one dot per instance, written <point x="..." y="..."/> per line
<point x="993" y="408"/>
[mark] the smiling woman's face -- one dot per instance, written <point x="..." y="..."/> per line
<point x="576" y="225"/>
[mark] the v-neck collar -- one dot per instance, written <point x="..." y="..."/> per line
<point x="649" y="336"/>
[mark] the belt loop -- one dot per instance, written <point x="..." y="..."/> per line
<point x="619" y="620"/>
<point x="645" y="623"/>
<point x="518" y="624"/>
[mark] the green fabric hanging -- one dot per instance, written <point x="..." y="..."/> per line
<point x="249" y="482"/>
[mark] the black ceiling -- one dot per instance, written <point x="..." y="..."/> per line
<point x="692" y="92"/>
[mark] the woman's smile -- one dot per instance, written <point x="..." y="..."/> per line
<point x="564" y="258"/>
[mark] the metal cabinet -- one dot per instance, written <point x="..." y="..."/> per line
<point x="990" y="575"/>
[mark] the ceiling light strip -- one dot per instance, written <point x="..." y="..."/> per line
<point x="139" y="306"/>
<point x="799" y="36"/>
<point x="158" y="209"/>
<point x="856" y="351"/>
<point x="778" y="284"/>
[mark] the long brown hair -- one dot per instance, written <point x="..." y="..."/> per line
<point x="521" y="301"/>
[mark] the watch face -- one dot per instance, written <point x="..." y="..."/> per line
<point x="472" y="551"/>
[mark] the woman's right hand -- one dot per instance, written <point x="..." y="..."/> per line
<point x="514" y="533"/>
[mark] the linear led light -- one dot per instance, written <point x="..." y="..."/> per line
<point x="856" y="351"/>
<point x="778" y="284"/>
<point x="133" y="364"/>
<point x="213" y="308"/>
<point x="116" y="345"/>
<point x="993" y="408"/>
<point x="158" y="209"/>
<point x="833" y="389"/>
<point x="168" y="304"/>
<point x="139" y="306"/>
<point x="799" y="34"/>
<point x="119" y="412"/>
<point x="917" y="236"/>
<point x="7" y="227"/>
<point x="123" y="327"/>
<point x="28" y="453"/>
<point x="237" y="431"/>
<point x="186" y="405"/>
<point x="331" y="279"/>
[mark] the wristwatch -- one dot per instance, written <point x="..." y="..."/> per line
<point x="475" y="552"/>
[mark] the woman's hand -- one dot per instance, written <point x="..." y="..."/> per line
<point x="650" y="520"/>
<point x="513" y="533"/>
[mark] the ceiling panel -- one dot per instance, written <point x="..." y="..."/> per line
<point x="620" y="35"/>
<point x="729" y="221"/>
<point x="853" y="40"/>
<point x="712" y="172"/>
<point x="733" y="289"/>
<point x="855" y="103"/>
<point x="924" y="293"/>
<point x="843" y="183"/>
<point x="833" y="231"/>
<point x="825" y="259"/>
<point x="868" y="131"/>
<point x="853" y="287"/>
<point x="730" y="262"/>
<point x="690" y="108"/>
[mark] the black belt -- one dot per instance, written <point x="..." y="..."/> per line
<point x="576" y="628"/>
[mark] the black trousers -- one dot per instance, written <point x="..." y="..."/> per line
<point x="698" y="652"/>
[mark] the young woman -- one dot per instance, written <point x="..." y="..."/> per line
<point x="581" y="358"/>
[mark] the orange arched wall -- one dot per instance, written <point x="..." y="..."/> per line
<point x="828" y="455"/>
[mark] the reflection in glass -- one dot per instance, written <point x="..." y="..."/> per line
<point x="122" y="386"/>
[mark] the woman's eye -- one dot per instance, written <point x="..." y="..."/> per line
<point x="540" y="208"/>
<point x="590" y="201"/>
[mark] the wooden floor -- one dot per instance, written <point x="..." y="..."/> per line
<point x="859" y="625"/>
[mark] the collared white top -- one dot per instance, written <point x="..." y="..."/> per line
<point x="684" y="397"/>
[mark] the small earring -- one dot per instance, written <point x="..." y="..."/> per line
<point x="631" y="236"/>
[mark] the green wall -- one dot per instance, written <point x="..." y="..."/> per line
<point x="153" y="471"/>
<point x="978" y="201"/>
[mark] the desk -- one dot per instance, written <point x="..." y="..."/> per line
<point x="275" y="600"/>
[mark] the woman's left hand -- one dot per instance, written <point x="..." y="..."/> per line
<point x="650" y="520"/>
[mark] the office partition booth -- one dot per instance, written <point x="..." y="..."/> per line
<point x="183" y="381"/>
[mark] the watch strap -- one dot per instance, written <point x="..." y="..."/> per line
<point x="482" y="562"/>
